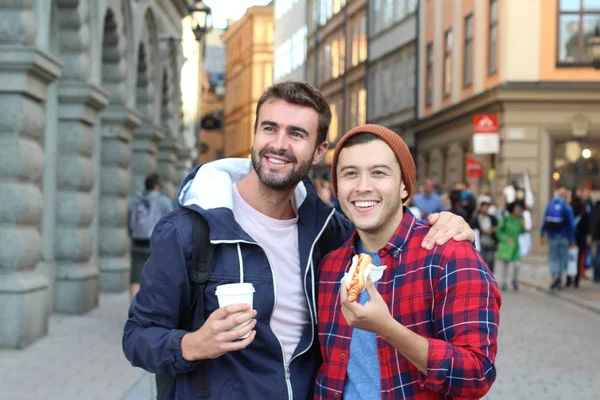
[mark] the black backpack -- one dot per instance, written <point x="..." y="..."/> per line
<point x="200" y="268"/>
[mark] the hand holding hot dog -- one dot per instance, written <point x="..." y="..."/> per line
<point x="374" y="316"/>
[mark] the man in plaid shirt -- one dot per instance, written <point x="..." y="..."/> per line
<point x="428" y="328"/>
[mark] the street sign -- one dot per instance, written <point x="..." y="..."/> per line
<point x="486" y="139"/>
<point x="474" y="167"/>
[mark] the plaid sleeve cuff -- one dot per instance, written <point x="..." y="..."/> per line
<point x="439" y="364"/>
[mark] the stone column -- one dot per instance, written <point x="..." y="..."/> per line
<point x="25" y="73"/>
<point x="118" y="124"/>
<point x="145" y="146"/>
<point x="183" y="165"/>
<point x="76" y="288"/>
<point x="167" y="166"/>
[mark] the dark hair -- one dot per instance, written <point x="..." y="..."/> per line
<point x="301" y="94"/>
<point x="151" y="181"/>
<point x="510" y="207"/>
<point x="578" y="206"/>
<point x="360" y="138"/>
<point x="455" y="196"/>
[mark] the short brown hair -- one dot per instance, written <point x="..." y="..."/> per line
<point x="302" y="94"/>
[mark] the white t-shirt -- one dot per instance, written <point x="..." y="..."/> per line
<point x="279" y="240"/>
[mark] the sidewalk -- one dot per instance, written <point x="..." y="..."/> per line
<point x="536" y="273"/>
<point x="81" y="358"/>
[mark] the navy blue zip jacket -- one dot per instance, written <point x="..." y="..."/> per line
<point x="152" y="337"/>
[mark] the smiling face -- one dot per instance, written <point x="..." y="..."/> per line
<point x="285" y="144"/>
<point x="370" y="187"/>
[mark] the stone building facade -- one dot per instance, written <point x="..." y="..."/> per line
<point x="336" y="64"/>
<point x="91" y="104"/>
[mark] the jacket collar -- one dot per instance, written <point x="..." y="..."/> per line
<point x="208" y="191"/>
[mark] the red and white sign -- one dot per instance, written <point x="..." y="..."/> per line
<point x="474" y="167"/>
<point x="486" y="139"/>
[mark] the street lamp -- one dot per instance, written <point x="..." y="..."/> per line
<point x="201" y="19"/>
<point x="594" y="48"/>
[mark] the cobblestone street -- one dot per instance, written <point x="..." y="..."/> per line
<point x="549" y="349"/>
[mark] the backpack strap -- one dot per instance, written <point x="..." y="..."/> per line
<point x="199" y="270"/>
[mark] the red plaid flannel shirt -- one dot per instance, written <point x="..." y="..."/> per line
<point x="447" y="295"/>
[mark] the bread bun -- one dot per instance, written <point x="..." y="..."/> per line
<point x="356" y="283"/>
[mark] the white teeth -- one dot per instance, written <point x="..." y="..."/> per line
<point x="274" y="161"/>
<point x="364" y="204"/>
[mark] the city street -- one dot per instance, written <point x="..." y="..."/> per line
<point x="549" y="349"/>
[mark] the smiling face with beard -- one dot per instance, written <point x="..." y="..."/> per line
<point x="285" y="144"/>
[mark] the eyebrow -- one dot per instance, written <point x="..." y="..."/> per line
<point x="291" y="127"/>
<point x="372" y="167"/>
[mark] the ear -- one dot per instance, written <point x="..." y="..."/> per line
<point x="403" y="192"/>
<point x="320" y="152"/>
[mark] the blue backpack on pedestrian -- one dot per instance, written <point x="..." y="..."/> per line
<point x="555" y="216"/>
<point x="144" y="214"/>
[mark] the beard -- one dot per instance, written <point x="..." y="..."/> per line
<point x="274" y="180"/>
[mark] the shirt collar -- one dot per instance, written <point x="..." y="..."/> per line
<point x="398" y="240"/>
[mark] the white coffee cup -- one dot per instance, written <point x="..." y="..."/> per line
<point x="236" y="293"/>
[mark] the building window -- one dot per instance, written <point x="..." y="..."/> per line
<point x="334" y="125"/>
<point x="429" y="75"/>
<point x="358" y="31"/>
<point x="362" y="106"/>
<point x="448" y="38"/>
<point x="493" y="38"/>
<point x="468" y="54"/>
<point x="576" y="22"/>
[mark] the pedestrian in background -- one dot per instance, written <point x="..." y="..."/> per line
<point x="456" y="203"/>
<point x="509" y="229"/>
<point x="582" y="231"/>
<point x="428" y="201"/>
<point x="558" y="227"/>
<point x="487" y="225"/>
<point x="145" y="210"/>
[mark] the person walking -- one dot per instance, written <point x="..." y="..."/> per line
<point x="145" y="210"/>
<point x="509" y="229"/>
<point x="428" y="201"/>
<point x="558" y="227"/>
<point x="487" y="224"/>
<point x="582" y="232"/>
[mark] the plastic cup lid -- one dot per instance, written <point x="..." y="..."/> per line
<point x="234" y="289"/>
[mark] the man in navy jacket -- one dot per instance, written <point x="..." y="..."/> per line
<point x="267" y="220"/>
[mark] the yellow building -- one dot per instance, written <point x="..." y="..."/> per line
<point x="525" y="62"/>
<point x="249" y="71"/>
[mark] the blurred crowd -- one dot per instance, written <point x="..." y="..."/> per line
<point x="503" y="231"/>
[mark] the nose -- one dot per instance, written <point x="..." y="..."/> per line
<point x="281" y="140"/>
<point x="363" y="184"/>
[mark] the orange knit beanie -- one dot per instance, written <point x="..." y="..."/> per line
<point x="398" y="146"/>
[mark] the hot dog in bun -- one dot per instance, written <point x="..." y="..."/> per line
<point x="358" y="271"/>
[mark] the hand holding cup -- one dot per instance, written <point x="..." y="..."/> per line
<point x="218" y="334"/>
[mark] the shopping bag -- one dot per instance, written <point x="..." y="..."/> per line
<point x="572" y="264"/>
<point x="524" y="244"/>
<point x="589" y="259"/>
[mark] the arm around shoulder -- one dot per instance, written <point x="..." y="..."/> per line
<point x="467" y="305"/>
<point x="151" y="338"/>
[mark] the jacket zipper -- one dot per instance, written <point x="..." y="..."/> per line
<point x="312" y="319"/>
<point x="286" y="366"/>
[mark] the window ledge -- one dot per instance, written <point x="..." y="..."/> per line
<point x="574" y="65"/>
